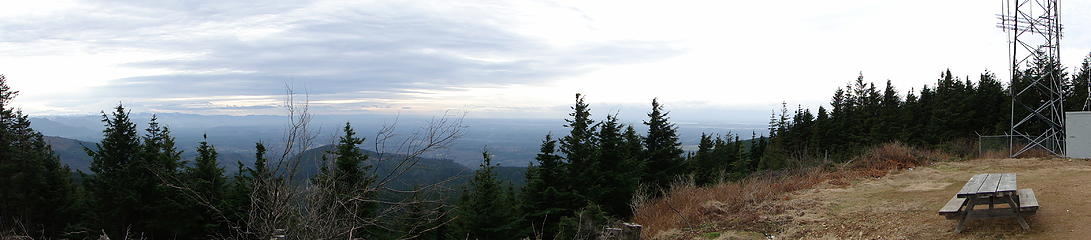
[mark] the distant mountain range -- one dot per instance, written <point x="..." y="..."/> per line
<point x="513" y="142"/>
<point x="427" y="171"/>
<point x="71" y="152"/>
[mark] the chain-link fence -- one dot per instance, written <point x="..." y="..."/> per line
<point x="999" y="146"/>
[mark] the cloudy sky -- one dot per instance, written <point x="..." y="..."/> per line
<point x="513" y="59"/>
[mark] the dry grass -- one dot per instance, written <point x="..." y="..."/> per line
<point x="877" y="161"/>
<point x="751" y="203"/>
<point x="1004" y="153"/>
<point x="736" y="203"/>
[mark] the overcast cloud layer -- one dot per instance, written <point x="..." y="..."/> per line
<point x="494" y="58"/>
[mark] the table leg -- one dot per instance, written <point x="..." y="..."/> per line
<point x="966" y="214"/>
<point x="1018" y="217"/>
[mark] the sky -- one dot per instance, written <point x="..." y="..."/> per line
<point x="705" y="60"/>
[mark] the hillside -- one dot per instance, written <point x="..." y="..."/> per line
<point x="427" y="170"/>
<point x="71" y="153"/>
<point x="903" y="205"/>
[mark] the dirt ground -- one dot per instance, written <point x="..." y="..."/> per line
<point x="903" y="205"/>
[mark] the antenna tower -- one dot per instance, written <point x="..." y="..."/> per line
<point x="1087" y="101"/>
<point x="1037" y="107"/>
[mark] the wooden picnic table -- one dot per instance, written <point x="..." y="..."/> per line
<point x="991" y="189"/>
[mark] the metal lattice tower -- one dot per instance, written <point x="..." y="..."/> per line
<point x="1037" y="114"/>
<point x="1087" y="101"/>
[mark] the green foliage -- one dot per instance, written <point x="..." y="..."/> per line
<point x="485" y="210"/>
<point x="579" y="148"/>
<point x="587" y="223"/>
<point x="206" y="175"/>
<point x="662" y="148"/>
<point x="130" y="189"/>
<point x="36" y="191"/>
<point x="115" y="165"/>
<point x="546" y="197"/>
<point x="208" y="188"/>
<point x="349" y="174"/>
<point x="1077" y="94"/>
<point x="615" y="181"/>
<point x="716" y="159"/>
<point x="937" y="115"/>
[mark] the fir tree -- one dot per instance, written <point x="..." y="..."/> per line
<point x="207" y="182"/>
<point x="888" y="126"/>
<point x="703" y="163"/>
<point x="546" y="198"/>
<point x="260" y="162"/>
<point x="118" y="208"/>
<point x="614" y="185"/>
<point x="484" y="211"/>
<point x="579" y="148"/>
<point x="635" y="155"/>
<point x="350" y="171"/>
<point x="663" y="149"/>
<point x="36" y="191"/>
<point x="206" y="174"/>
<point x="160" y="163"/>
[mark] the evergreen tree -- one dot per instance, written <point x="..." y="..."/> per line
<point x="756" y="152"/>
<point x="243" y="186"/>
<point x="484" y="211"/>
<point x="861" y="116"/>
<point x="161" y="162"/>
<point x="36" y="191"/>
<point x="208" y="185"/>
<point x="579" y="148"/>
<point x="546" y="197"/>
<point x="889" y="125"/>
<point x="635" y="155"/>
<point x="992" y="104"/>
<point x="911" y="116"/>
<point x="703" y="163"/>
<point x="738" y="161"/>
<point x="614" y="185"/>
<point x="260" y="169"/>
<point x="1076" y="95"/>
<point x="118" y="208"/>
<point x="350" y="172"/>
<point x="663" y="149"/>
<point x="821" y="135"/>
<point x="775" y="155"/>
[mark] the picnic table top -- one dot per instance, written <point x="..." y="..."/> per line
<point x="989" y="184"/>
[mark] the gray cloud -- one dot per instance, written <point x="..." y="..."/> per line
<point x="381" y="49"/>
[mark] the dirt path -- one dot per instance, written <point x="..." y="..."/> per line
<point x="903" y="205"/>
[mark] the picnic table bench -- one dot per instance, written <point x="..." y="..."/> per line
<point x="991" y="189"/>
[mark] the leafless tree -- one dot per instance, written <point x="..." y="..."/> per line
<point x="285" y="207"/>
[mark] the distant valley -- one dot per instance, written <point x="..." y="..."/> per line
<point x="513" y="142"/>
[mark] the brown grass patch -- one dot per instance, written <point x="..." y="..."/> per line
<point x="894" y="156"/>
<point x="736" y="204"/>
<point x="1004" y="153"/>
<point x="752" y="203"/>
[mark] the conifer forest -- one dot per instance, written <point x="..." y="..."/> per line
<point x="140" y="187"/>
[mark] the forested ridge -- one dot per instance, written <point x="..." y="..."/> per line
<point x="139" y="186"/>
